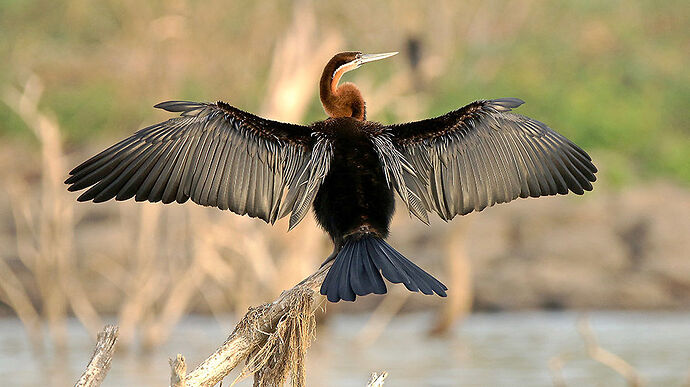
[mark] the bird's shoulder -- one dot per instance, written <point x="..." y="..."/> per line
<point x="348" y="127"/>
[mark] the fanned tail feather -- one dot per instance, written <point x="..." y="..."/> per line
<point x="358" y="269"/>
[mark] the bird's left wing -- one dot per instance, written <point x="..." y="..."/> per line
<point x="217" y="155"/>
<point x="483" y="154"/>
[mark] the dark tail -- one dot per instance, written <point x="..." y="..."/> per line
<point x="358" y="267"/>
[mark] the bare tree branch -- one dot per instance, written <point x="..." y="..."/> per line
<point x="51" y="261"/>
<point x="272" y="337"/>
<point x="14" y="293"/>
<point x="597" y="353"/>
<point x="178" y="371"/>
<point x="99" y="365"/>
<point x="609" y="359"/>
<point x="376" y="380"/>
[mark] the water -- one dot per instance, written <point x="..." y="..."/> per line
<point x="503" y="349"/>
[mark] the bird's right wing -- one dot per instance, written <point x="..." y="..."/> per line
<point x="217" y="155"/>
<point x="483" y="154"/>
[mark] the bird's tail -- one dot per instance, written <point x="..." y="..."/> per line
<point x="361" y="261"/>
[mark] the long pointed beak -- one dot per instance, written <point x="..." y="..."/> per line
<point x="366" y="58"/>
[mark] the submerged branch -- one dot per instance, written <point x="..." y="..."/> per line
<point x="597" y="353"/>
<point x="609" y="359"/>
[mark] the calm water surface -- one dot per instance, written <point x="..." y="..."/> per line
<point x="503" y="349"/>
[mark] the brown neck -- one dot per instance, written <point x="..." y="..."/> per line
<point x="340" y="101"/>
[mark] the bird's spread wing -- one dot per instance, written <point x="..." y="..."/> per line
<point x="217" y="155"/>
<point x="483" y="154"/>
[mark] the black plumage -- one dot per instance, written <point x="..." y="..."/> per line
<point x="482" y="154"/>
<point x="346" y="167"/>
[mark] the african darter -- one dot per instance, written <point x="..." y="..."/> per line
<point x="346" y="167"/>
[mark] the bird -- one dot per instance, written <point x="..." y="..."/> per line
<point x="345" y="167"/>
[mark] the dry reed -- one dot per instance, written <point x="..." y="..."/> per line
<point x="45" y="228"/>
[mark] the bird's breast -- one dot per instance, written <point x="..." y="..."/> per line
<point x="355" y="191"/>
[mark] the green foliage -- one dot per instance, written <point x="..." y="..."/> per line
<point x="607" y="79"/>
<point x="610" y="75"/>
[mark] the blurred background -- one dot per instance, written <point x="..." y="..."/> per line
<point x="612" y="76"/>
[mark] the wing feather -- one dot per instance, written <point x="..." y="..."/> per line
<point x="215" y="154"/>
<point x="483" y="154"/>
<point x="169" y="178"/>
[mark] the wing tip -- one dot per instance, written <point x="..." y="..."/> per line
<point x="506" y="104"/>
<point x="71" y="187"/>
<point x="178" y="106"/>
<point x="84" y="197"/>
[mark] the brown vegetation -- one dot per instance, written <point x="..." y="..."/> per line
<point x="147" y="264"/>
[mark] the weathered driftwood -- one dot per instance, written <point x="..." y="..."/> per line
<point x="178" y="371"/>
<point x="376" y="380"/>
<point x="99" y="365"/>
<point x="272" y="338"/>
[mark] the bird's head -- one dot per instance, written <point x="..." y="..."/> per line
<point x="345" y="101"/>
<point x="350" y="60"/>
